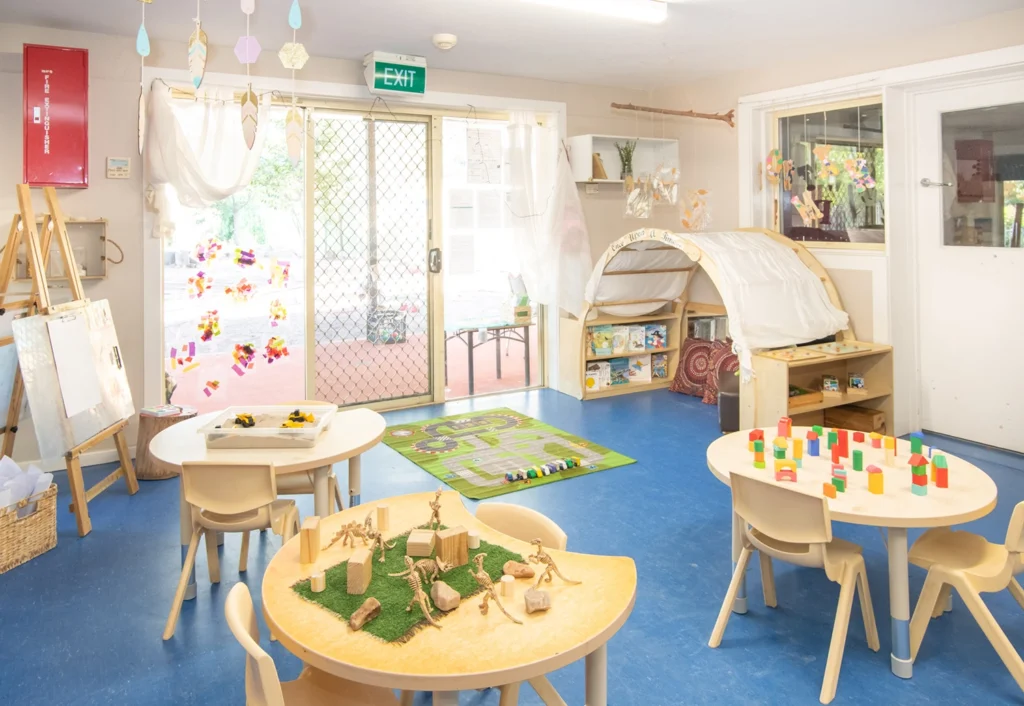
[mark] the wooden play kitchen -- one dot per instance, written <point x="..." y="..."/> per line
<point x="867" y="480"/>
<point x="96" y="399"/>
<point x="566" y="607"/>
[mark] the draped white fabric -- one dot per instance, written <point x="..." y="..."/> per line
<point x="548" y="227"/>
<point x="195" y="151"/>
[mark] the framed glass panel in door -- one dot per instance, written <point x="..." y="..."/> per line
<point x="371" y="324"/>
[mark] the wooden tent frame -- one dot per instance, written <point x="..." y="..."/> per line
<point x="573" y="360"/>
<point x="24" y="231"/>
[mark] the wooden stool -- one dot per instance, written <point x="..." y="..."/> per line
<point x="149" y="427"/>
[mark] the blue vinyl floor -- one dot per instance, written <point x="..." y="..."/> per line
<point x="82" y="623"/>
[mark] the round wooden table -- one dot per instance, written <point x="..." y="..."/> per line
<point x="349" y="435"/>
<point x="971" y="494"/>
<point x="470" y="651"/>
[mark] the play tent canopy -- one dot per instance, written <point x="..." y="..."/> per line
<point x="774" y="291"/>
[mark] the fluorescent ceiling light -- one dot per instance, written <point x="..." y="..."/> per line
<point x="652" y="11"/>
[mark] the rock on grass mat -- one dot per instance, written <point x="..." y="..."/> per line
<point x="395" y="624"/>
<point x="478" y="452"/>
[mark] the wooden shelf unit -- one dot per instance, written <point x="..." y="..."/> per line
<point x="651" y="153"/>
<point x="765" y="398"/>
<point x="575" y="351"/>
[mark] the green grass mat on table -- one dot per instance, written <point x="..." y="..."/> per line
<point x="393" y="592"/>
<point x="472" y="452"/>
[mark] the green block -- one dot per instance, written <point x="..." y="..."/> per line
<point x="840" y="484"/>
<point x="833" y="439"/>
<point x="940" y="461"/>
<point x="780" y="453"/>
<point x="819" y="430"/>
<point x="919" y="489"/>
<point x="858" y="460"/>
<point x="919" y="470"/>
<point x="915" y="444"/>
<point x="758" y="464"/>
<point x="759" y="445"/>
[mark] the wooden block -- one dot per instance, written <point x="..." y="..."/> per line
<point x="369" y="610"/>
<point x="829" y="490"/>
<point x="474" y="539"/>
<point x="876" y="481"/>
<point x="383" y="518"/>
<point x="508" y="586"/>
<point x="421" y="543"/>
<point x="317" y="583"/>
<point x="453" y="546"/>
<point x="444" y="596"/>
<point x="309" y="540"/>
<point x="536" y="600"/>
<point x="360" y="571"/>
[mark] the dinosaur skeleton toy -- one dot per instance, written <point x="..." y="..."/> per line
<point x="542" y="557"/>
<point x="485" y="582"/>
<point x="418" y="596"/>
<point x="429" y="569"/>
<point x="435" y="506"/>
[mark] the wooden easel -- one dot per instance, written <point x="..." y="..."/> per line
<point x="23" y="230"/>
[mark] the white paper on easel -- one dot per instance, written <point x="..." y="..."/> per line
<point x="76" y="368"/>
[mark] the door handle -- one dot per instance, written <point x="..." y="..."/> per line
<point x="434" y="260"/>
<point x="928" y="182"/>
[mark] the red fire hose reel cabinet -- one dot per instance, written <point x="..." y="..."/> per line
<point x="56" y="116"/>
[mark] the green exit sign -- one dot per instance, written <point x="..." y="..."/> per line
<point x="396" y="74"/>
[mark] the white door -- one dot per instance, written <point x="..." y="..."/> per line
<point x="969" y="181"/>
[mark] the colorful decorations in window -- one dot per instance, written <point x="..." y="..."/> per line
<point x="198" y="284"/>
<point x="198" y="46"/>
<point x="248" y="49"/>
<point x="245" y="258"/>
<point x="275" y="349"/>
<point x="279" y="273"/>
<point x="209" y="326"/>
<point x="293" y="56"/>
<point x="245" y="358"/>
<point x="242" y="292"/>
<point x="278" y="312"/>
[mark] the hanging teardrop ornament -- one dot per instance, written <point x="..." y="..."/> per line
<point x="198" y="45"/>
<point x="248" y="6"/>
<point x="295" y="15"/>
<point x="142" y="41"/>
<point x="250" y="116"/>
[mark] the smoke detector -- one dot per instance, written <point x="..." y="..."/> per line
<point x="445" y="42"/>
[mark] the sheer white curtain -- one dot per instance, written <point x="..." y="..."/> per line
<point x="547" y="219"/>
<point x="195" y="151"/>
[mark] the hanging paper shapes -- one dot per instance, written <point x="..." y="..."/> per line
<point x="828" y="171"/>
<point x="640" y="199"/>
<point x="666" y="186"/>
<point x="773" y="166"/>
<point x="807" y="210"/>
<point x="245" y="358"/>
<point x="248" y="50"/>
<point x="206" y="252"/>
<point x="142" y="41"/>
<point x="248" y="6"/>
<point x="245" y="258"/>
<point x="279" y="273"/>
<point x="294" y="133"/>
<point x="198" y="284"/>
<point x="275" y="349"/>
<point x="250" y="116"/>
<point x="241" y="292"/>
<point x="295" y="15"/>
<point x="859" y="174"/>
<point x="198" y="45"/>
<point x="209" y="325"/>
<point x="696" y="212"/>
<point x="142" y="48"/>
<point x="278" y="312"/>
<point x="293" y="55"/>
<point x="211" y="387"/>
<point x="182" y="356"/>
<point x="787" y="175"/>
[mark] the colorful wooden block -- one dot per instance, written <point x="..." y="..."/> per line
<point x="938" y="461"/>
<point x="858" y="460"/>
<point x="818" y="430"/>
<point x="829" y="490"/>
<point x="876" y="440"/>
<point x="779" y="452"/>
<point x="941" y="477"/>
<point x="754" y="436"/>
<point x="840" y="484"/>
<point x="916" y="443"/>
<point x="843" y="437"/>
<point x="453" y="546"/>
<point x="309" y="540"/>
<point x="919" y="489"/>
<point x="812" y="447"/>
<point x="833" y="439"/>
<point x="759" y="464"/>
<point x="919" y="479"/>
<point x="785" y="427"/>
<point x="359" y="571"/>
<point x="917" y="461"/>
<point x="876" y="480"/>
<point x="781" y="442"/>
<point x="798" y="449"/>
<point x="420" y="543"/>
<point x="858" y="437"/>
<point x="799" y="462"/>
<point x="890" y="442"/>
<point x="836" y="456"/>
<point x="785" y="470"/>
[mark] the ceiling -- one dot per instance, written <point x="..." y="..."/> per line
<point x="700" y="37"/>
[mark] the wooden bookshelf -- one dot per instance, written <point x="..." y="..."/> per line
<point x="765" y="398"/>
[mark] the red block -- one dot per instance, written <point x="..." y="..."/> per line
<point x="941" y="477"/>
<point x="835" y="454"/>
<point x="844" y="443"/>
<point x="757" y="435"/>
<point x="812" y="435"/>
<point x="922" y="479"/>
<point x="858" y="437"/>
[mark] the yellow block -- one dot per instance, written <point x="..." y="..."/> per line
<point x="798" y="448"/>
<point x="876" y="483"/>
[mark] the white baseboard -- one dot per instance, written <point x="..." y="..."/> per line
<point x="89" y="458"/>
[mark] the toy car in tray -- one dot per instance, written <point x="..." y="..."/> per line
<point x="269" y="427"/>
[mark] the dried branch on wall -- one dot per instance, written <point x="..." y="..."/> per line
<point x="724" y="117"/>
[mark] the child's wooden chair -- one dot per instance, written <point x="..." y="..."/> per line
<point x="791" y="526"/>
<point x="228" y="498"/>
<point x="522" y="523"/>
<point x="263" y="687"/>
<point x="972" y="565"/>
<point x="302" y="483"/>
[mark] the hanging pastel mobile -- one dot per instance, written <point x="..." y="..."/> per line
<point x="294" y="56"/>
<point x="143" y="49"/>
<point x="248" y="49"/>
<point x="696" y="215"/>
<point x="278" y="312"/>
<point x="198" y="46"/>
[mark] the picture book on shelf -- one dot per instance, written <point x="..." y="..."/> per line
<point x="599" y="375"/>
<point x="637" y="339"/>
<point x="620" y="339"/>
<point x="619" y="371"/>
<point x="659" y="365"/>
<point x="601" y="340"/>
<point x="640" y="368"/>
<point x="656" y="336"/>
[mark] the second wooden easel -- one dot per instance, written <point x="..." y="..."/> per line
<point x="24" y="231"/>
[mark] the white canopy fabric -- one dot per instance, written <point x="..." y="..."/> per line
<point x="771" y="297"/>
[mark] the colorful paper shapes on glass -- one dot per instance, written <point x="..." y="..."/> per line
<point x="696" y="215"/>
<point x="211" y="387"/>
<point x="278" y="312"/>
<point x="859" y="174"/>
<point x="206" y="252"/>
<point x="248" y="49"/>
<point x="773" y="166"/>
<point x="828" y="171"/>
<point x="787" y="174"/>
<point x="280" y="271"/>
<point x="245" y="357"/>
<point x="142" y="41"/>
<point x="242" y="292"/>
<point x="293" y="55"/>
<point x="198" y="46"/>
<point x="209" y="325"/>
<point x="250" y="116"/>
<point x="183" y="356"/>
<point x="294" y="134"/>
<point x="245" y="258"/>
<point x="275" y="349"/>
<point x="198" y="284"/>
<point x="295" y="15"/>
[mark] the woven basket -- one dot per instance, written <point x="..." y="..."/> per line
<point x="28" y="537"/>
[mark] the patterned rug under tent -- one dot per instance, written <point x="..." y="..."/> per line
<point x="486" y="454"/>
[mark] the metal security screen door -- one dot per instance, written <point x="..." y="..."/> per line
<point x="371" y="285"/>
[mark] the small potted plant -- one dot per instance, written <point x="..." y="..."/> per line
<point x="626" y="157"/>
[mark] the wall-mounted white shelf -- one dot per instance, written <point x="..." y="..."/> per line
<point x="651" y="153"/>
